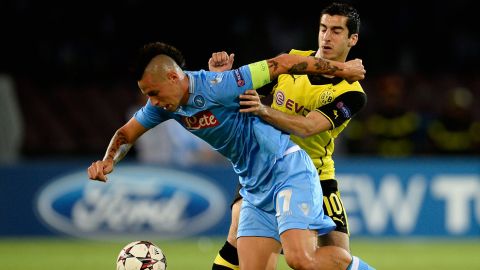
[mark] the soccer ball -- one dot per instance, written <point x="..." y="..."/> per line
<point x="141" y="255"/>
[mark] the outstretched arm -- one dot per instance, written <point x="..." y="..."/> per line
<point x="352" y="70"/>
<point x="121" y="142"/>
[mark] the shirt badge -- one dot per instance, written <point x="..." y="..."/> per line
<point x="199" y="101"/>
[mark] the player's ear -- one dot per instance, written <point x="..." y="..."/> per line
<point x="172" y="75"/>
<point x="352" y="41"/>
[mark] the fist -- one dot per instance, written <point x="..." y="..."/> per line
<point x="99" y="169"/>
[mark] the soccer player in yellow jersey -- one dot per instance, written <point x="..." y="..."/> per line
<point x="314" y="110"/>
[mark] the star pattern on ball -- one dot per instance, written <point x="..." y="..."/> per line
<point x="141" y="255"/>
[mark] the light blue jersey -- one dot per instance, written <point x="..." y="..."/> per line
<point x="255" y="149"/>
<point x="212" y="113"/>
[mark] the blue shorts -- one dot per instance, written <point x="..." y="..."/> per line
<point x="297" y="200"/>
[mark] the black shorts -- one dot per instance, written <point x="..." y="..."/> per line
<point x="236" y="196"/>
<point x="332" y="204"/>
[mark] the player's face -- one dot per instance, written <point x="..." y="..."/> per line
<point x="333" y="40"/>
<point x="166" y="94"/>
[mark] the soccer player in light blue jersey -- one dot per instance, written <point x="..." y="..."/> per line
<point x="314" y="110"/>
<point x="280" y="186"/>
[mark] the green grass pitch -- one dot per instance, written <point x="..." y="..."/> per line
<point x="388" y="254"/>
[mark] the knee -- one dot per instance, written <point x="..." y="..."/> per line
<point x="300" y="260"/>
<point x="329" y="257"/>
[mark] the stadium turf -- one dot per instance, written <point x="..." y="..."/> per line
<point x="388" y="254"/>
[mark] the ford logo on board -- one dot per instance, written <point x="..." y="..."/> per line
<point x="136" y="202"/>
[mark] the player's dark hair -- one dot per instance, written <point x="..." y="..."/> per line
<point x="150" y="50"/>
<point x="344" y="9"/>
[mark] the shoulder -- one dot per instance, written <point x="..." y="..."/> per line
<point x="201" y="80"/>
<point x="300" y="52"/>
<point x="344" y="86"/>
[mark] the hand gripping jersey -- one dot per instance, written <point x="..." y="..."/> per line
<point x="212" y="113"/>
<point x="335" y="98"/>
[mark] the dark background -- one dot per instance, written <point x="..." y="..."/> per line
<point x="82" y="40"/>
<point x="70" y="61"/>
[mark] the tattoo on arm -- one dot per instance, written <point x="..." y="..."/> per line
<point x="298" y="68"/>
<point x="324" y="65"/>
<point x="118" y="147"/>
<point x="320" y="65"/>
<point x="272" y="64"/>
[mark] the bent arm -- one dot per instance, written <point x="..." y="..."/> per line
<point x="322" y="119"/>
<point x="299" y="125"/>
<point x="303" y="126"/>
<point x="265" y="71"/>
<point x="122" y="140"/>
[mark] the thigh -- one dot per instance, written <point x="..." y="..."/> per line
<point x="258" y="242"/>
<point x="301" y="252"/>
<point x="258" y="252"/>
<point x="335" y="238"/>
<point x="295" y="242"/>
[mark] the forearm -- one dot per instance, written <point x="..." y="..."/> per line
<point x="294" y="64"/>
<point x="294" y="124"/>
<point x="118" y="147"/>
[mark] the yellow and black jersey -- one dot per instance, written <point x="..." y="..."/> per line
<point x="335" y="98"/>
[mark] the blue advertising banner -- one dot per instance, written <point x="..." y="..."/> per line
<point x="411" y="197"/>
<point x="137" y="201"/>
<point x="394" y="198"/>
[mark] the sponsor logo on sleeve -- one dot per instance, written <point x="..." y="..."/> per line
<point x="239" y="78"/>
<point x="344" y="110"/>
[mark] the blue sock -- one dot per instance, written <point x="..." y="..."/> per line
<point x="358" y="264"/>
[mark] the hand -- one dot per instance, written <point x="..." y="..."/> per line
<point x="220" y="61"/>
<point x="99" y="169"/>
<point x="251" y="103"/>
<point x="354" y="70"/>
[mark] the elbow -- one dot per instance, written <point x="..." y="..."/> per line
<point x="124" y="136"/>
<point x="282" y="58"/>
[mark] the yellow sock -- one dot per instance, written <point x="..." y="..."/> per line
<point x="226" y="259"/>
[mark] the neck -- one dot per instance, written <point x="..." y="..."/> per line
<point x="185" y="85"/>
<point x="342" y="58"/>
